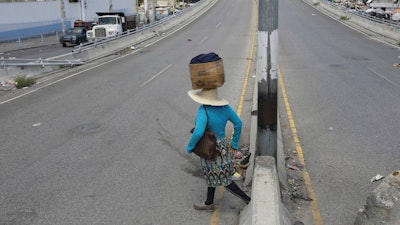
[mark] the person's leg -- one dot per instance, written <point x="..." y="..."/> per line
<point x="209" y="204"/>
<point x="234" y="189"/>
<point x="210" y="196"/>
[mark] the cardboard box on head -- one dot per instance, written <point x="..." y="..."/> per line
<point x="208" y="74"/>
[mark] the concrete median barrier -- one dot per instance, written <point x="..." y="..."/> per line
<point x="265" y="207"/>
<point x="265" y="175"/>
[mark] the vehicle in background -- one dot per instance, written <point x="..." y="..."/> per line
<point x="79" y="23"/>
<point x="110" y="24"/>
<point x="74" y="36"/>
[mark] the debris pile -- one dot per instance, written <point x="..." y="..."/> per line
<point x="242" y="161"/>
<point x="383" y="205"/>
<point x="7" y="85"/>
<point x="374" y="8"/>
<point x="296" y="192"/>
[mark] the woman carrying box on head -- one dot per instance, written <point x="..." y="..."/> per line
<point x="216" y="112"/>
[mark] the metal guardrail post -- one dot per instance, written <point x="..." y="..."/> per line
<point x="41" y="62"/>
<point x="19" y="42"/>
<point x="4" y="63"/>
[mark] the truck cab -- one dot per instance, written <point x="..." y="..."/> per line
<point x="108" y="25"/>
<point x="74" y="36"/>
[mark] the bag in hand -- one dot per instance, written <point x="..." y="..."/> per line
<point x="206" y="148"/>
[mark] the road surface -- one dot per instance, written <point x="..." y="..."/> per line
<point x="343" y="92"/>
<point x="105" y="144"/>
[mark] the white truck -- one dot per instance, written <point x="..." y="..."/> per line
<point x="110" y="24"/>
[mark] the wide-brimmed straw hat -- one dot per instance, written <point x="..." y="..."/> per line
<point x="207" y="97"/>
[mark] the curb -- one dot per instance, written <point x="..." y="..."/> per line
<point x="268" y="175"/>
<point x="265" y="175"/>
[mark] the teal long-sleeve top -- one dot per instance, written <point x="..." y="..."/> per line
<point x="218" y="116"/>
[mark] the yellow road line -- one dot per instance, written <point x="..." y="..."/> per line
<point x="215" y="215"/>
<point x="246" y="79"/>
<point x="307" y="180"/>
<point x="220" y="191"/>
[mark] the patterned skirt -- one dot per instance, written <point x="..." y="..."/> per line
<point x="219" y="171"/>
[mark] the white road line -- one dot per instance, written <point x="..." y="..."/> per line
<point x="9" y="100"/>
<point x="155" y="76"/>
<point x="67" y="77"/>
<point x="381" y="76"/>
<point x="205" y="38"/>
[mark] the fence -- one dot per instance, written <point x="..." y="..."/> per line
<point x="28" y="41"/>
<point x="365" y="15"/>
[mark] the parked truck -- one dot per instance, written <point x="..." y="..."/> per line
<point x="87" y="24"/>
<point x="74" y="36"/>
<point x="77" y="34"/>
<point x="110" y="24"/>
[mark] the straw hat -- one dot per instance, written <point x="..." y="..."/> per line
<point x="207" y="97"/>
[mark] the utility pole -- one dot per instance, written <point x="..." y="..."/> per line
<point x="62" y="13"/>
<point x="146" y="8"/>
<point x="267" y="73"/>
<point x="83" y="10"/>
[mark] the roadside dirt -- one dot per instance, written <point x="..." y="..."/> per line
<point x="295" y="195"/>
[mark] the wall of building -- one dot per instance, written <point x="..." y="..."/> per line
<point x="32" y="18"/>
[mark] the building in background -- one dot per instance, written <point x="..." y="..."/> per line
<point x="25" y="18"/>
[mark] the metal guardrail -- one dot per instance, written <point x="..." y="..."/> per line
<point x="85" y="46"/>
<point x="98" y="42"/>
<point x="365" y="15"/>
<point x="376" y="19"/>
<point x="53" y="37"/>
<point x="37" y="62"/>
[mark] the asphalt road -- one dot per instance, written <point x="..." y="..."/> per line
<point x="106" y="144"/>
<point x="344" y="95"/>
